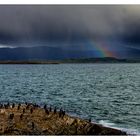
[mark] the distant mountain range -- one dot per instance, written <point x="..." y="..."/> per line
<point x="42" y="53"/>
<point x="55" y="55"/>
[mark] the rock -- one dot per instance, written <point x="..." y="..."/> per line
<point x="40" y="122"/>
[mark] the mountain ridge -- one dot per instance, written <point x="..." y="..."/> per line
<point x="41" y="53"/>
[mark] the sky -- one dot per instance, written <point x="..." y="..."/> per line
<point x="108" y="30"/>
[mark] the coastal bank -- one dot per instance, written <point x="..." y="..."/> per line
<point x="31" y="119"/>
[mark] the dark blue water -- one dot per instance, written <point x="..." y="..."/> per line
<point x="107" y="93"/>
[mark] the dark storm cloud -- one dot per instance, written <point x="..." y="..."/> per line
<point x="42" y="24"/>
<point x="131" y="35"/>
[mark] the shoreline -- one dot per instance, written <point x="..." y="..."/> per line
<point x="95" y="60"/>
<point x="46" y="63"/>
<point x="31" y="119"/>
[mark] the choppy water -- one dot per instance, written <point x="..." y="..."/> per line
<point x="107" y="93"/>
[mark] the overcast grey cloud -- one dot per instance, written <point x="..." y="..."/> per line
<point x="25" y="24"/>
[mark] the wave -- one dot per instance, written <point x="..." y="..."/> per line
<point x="107" y="123"/>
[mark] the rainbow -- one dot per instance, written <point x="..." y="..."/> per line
<point x="101" y="49"/>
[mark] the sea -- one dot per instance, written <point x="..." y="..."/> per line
<point x="109" y="94"/>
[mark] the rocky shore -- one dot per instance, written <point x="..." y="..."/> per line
<point x="31" y="119"/>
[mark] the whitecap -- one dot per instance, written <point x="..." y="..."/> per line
<point x="107" y="123"/>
